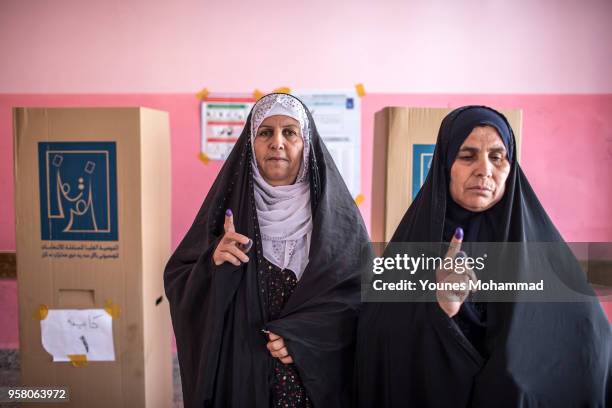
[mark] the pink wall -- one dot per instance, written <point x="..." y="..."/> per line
<point x="566" y="153"/>
<point x="571" y="134"/>
<point x="515" y="54"/>
<point x="416" y="46"/>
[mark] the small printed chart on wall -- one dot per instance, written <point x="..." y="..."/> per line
<point x="223" y="116"/>
<point x="337" y="114"/>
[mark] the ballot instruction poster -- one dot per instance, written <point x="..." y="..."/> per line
<point x="223" y="118"/>
<point x="337" y="115"/>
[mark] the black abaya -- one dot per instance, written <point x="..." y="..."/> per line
<point x="531" y="353"/>
<point x="218" y="312"/>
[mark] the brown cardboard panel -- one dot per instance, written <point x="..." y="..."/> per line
<point x="76" y="298"/>
<point x="379" y="174"/>
<point x="396" y="131"/>
<point x="156" y="181"/>
<point x="90" y="272"/>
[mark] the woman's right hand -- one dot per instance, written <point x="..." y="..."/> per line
<point x="227" y="250"/>
<point x="450" y="301"/>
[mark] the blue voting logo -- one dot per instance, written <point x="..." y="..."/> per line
<point x="78" y="191"/>
<point x="421" y="160"/>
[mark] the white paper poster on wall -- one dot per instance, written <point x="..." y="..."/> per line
<point x="68" y="332"/>
<point x="337" y="114"/>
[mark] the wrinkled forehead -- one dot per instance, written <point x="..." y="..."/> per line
<point x="279" y="104"/>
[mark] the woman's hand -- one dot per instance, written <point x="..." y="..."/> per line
<point x="232" y="246"/>
<point x="450" y="301"/>
<point x="277" y="348"/>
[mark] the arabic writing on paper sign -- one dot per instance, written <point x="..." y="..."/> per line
<point x="86" y="332"/>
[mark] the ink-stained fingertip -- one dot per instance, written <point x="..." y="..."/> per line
<point x="459" y="233"/>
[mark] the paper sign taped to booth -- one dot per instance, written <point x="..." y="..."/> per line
<point x="89" y="332"/>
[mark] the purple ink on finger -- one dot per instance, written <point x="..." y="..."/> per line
<point x="246" y="247"/>
<point x="459" y="233"/>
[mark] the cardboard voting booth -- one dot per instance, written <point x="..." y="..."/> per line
<point x="92" y="192"/>
<point x="404" y="141"/>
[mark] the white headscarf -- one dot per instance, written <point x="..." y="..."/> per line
<point x="284" y="213"/>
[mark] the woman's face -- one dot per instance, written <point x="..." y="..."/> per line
<point x="278" y="149"/>
<point x="479" y="172"/>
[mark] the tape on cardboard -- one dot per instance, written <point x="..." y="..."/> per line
<point x="41" y="313"/>
<point x="78" y="360"/>
<point x="112" y="309"/>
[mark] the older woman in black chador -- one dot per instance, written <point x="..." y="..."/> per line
<point x="456" y="351"/>
<point x="264" y="288"/>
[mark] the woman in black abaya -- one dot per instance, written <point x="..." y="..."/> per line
<point x="264" y="288"/>
<point x="457" y="352"/>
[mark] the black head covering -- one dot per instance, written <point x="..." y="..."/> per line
<point x="532" y="354"/>
<point x="218" y="311"/>
<point x="467" y="120"/>
<point x="479" y="226"/>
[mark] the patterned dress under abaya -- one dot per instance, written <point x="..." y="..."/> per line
<point x="287" y="388"/>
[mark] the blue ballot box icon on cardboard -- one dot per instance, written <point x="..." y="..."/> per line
<point x="78" y="191"/>
<point x="422" y="154"/>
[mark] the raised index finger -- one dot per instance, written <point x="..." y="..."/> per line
<point x="455" y="244"/>
<point x="228" y="225"/>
